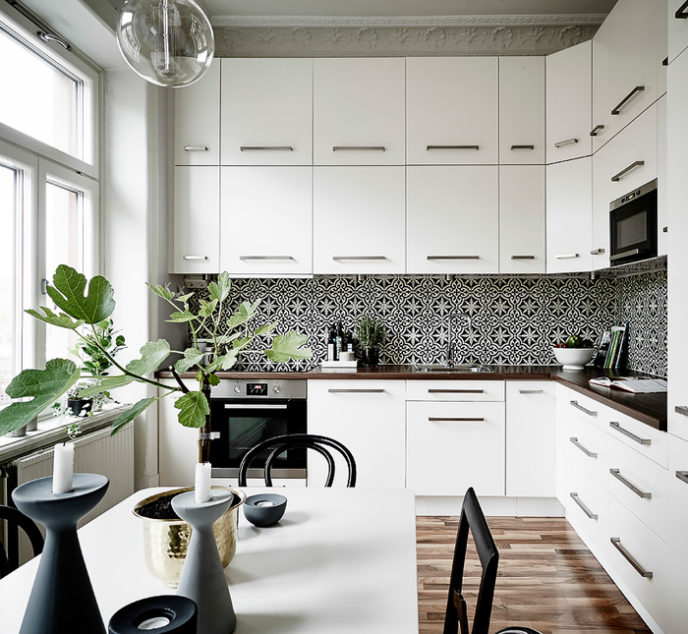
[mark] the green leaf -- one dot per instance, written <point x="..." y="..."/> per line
<point x="106" y="384"/>
<point x="181" y="317"/>
<point x="289" y="346"/>
<point x="192" y="357"/>
<point x="45" y="386"/>
<point x="244" y="313"/>
<point x="120" y="341"/>
<point x="213" y="380"/>
<point x="130" y="414"/>
<point x="220" y="290"/>
<point x="240" y="344"/>
<point x="207" y="308"/>
<point x="161" y="291"/>
<point x="60" y="320"/>
<point x="193" y="408"/>
<point x="223" y="340"/>
<point x="265" y="328"/>
<point x="153" y="354"/>
<point x="184" y="298"/>
<point x="68" y="294"/>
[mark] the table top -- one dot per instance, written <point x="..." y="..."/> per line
<point x="340" y="560"/>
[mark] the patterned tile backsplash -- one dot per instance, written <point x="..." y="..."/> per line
<point x="515" y="320"/>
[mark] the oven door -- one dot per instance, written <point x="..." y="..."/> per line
<point x="240" y="424"/>
<point x="633" y="227"/>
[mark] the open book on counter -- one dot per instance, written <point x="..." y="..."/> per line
<point x="631" y="384"/>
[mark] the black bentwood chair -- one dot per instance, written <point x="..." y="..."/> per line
<point x="279" y="444"/>
<point x="456" y="617"/>
<point x="16" y="519"/>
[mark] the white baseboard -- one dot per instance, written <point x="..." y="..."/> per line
<point x="492" y="506"/>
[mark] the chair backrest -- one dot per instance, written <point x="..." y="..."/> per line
<point x="16" y="519"/>
<point x="456" y="619"/>
<point x="280" y="444"/>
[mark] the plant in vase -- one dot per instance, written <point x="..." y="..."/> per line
<point x="371" y="335"/>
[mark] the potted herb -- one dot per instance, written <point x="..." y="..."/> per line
<point x="371" y="334"/>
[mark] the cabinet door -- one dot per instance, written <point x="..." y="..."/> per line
<point x="522" y="219"/>
<point x="521" y="110"/>
<point x="197" y="120"/>
<point x="569" y="216"/>
<point x="267" y="220"/>
<point x="569" y="95"/>
<point x="358" y="111"/>
<point x="267" y="111"/>
<point x="601" y="197"/>
<point x="452" y="219"/>
<point x="369" y="418"/>
<point x="358" y="220"/>
<point x="677" y="107"/>
<point x="678" y="28"/>
<point x="196" y="220"/>
<point x="662" y="169"/>
<point x="530" y="438"/>
<point x="451" y="107"/>
<point x="601" y="45"/>
<point x="453" y="446"/>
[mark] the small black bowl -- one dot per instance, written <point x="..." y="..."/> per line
<point x="267" y="515"/>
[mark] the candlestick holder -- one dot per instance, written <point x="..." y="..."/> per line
<point x="62" y="599"/>
<point x="203" y="578"/>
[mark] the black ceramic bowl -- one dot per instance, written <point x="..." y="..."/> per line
<point x="265" y="509"/>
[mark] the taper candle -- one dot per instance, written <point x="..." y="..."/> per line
<point x="202" y="484"/>
<point x="63" y="467"/>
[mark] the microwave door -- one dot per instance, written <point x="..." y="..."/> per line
<point x="633" y="229"/>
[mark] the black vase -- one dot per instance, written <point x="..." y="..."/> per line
<point x="78" y="405"/>
<point x="370" y="356"/>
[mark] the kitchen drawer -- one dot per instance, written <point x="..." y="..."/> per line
<point x="453" y="446"/>
<point x="646" y="440"/>
<point x="640" y="485"/>
<point x="455" y="390"/>
<point x="586" y="446"/>
<point x="586" y="505"/>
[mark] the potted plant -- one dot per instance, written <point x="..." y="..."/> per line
<point x="371" y="334"/>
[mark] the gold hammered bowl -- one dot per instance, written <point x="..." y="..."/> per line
<point x="165" y="541"/>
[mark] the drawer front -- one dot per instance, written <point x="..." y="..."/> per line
<point x="586" y="505"/>
<point x="640" y="485"/>
<point x="455" y="390"/>
<point x="453" y="446"/>
<point x="585" y="447"/>
<point x="646" y="440"/>
<point x="577" y="405"/>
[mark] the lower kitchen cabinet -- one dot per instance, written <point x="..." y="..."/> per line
<point x="177" y="446"/>
<point x="368" y="417"/>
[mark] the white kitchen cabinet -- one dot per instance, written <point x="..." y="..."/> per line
<point x="662" y="171"/>
<point x="177" y="446"/>
<point x="267" y="111"/>
<point x="358" y="111"/>
<point x="677" y="129"/>
<point x="267" y="219"/>
<point x="521" y="110"/>
<point x="369" y="418"/>
<point x="358" y="219"/>
<point x="601" y="197"/>
<point x="569" y="103"/>
<point x="451" y="106"/>
<point x="601" y="48"/>
<point x="196" y="220"/>
<point x="452" y="219"/>
<point x="530" y="438"/>
<point x="522" y="219"/>
<point x="197" y="120"/>
<point x="678" y="28"/>
<point x="569" y="216"/>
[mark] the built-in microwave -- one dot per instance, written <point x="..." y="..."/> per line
<point x="633" y="225"/>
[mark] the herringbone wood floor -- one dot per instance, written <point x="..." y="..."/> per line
<point x="547" y="578"/>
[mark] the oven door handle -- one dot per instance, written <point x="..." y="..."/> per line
<point x="624" y="254"/>
<point x="254" y="406"/>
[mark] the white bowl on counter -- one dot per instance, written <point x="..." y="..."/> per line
<point x="573" y="358"/>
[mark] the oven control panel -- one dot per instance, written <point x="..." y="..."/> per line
<point x="256" y="389"/>
<point x="272" y="388"/>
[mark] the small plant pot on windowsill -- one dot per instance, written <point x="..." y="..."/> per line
<point x="79" y="406"/>
<point x="370" y="356"/>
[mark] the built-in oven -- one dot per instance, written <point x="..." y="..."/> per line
<point x="246" y="412"/>
<point x="633" y="225"/>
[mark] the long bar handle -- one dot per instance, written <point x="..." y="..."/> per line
<point x="254" y="406"/>
<point x="646" y="495"/>
<point x="583" y="507"/>
<point x="616" y="542"/>
<point x="333" y="390"/>
<point x="596" y="130"/>
<point x="627" y="98"/>
<point x="682" y="12"/>
<point x="195" y="148"/>
<point x="433" y="419"/>
<point x="624" y="254"/>
<point x="617" y="177"/>
<point x="359" y="148"/>
<point x="587" y="411"/>
<point x="522" y="147"/>
<point x="565" y="142"/>
<point x="189" y="258"/>
<point x="681" y="409"/>
<point x="567" y="256"/>
<point x="432" y="391"/>
<point x="343" y="258"/>
<point x="599" y="251"/>
<point x="451" y="147"/>
<point x="682" y="476"/>
<point x="531" y="391"/>
<point x="522" y="257"/>
<point x="641" y="441"/>
<point x="261" y="148"/>
<point x="574" y="441"/>
<point x="267" y="257"/>
<point x="453" y="257"/>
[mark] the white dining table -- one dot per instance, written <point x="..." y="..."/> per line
<point x="340" y="560"/>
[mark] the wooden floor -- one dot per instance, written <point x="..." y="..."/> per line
<point x="547" y="579"/>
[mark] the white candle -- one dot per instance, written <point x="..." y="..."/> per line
<point x="63" y="467"/>
<point x="202" y="485"/>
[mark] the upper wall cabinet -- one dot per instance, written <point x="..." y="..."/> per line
<point x="358" y="111"/>
<point x="451" y="107"/>
<point x="197" y="120"/>
<point x="678" y="28"/>
<point x="267" y="111"/>
<point x="569" y="100"/>
<point x="601" y="48"/>
<point x="521" y="110"/>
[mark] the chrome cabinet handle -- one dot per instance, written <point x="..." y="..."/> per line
<point x="267" y="257"/>
<point x="522" y="147"/>
<point x="583" y="507"/>
<point x="428" y="148"/>
<point x="624" y="254"/>
<point x="577" y="405"/>
<point x="595" y="131"/>
<point x="617" y="177"/>
<point x="189" y="258"/>
<point x="432" y="391"/>
<point x="51" y="37"/>
<point x="682" y="476"/>
<point x="195" y="148"/>
<point x="641" y="441"/>
<point x="681" y="409"/>
<point x="522" y="257"/>
<point x="344" y="258"/>
<point x="627" y="98"/>
<point x="616" y="542"/>
<point x="565" y="142"/>
<point x="567" y="256"/>
<point x="453" y="257"/>
<point x="432" y="419"/>
<point x="531" y="391"/>
<point x="597" y="252"/>
<point x="574" y="441"/>
<point x="360" y="148"/>
<point x="682" y="12"/>
<point x="261" y="148"/>
<point x="333" y="390"/>
<point x="639" y="492"/>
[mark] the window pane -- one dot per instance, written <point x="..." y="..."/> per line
<point x="9" y="335"/>
<point x="39" y="98"/>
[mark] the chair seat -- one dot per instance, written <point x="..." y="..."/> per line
<point x="517" y="629"/>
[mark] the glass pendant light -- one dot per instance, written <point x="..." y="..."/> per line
<point x="167" y="42"/>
